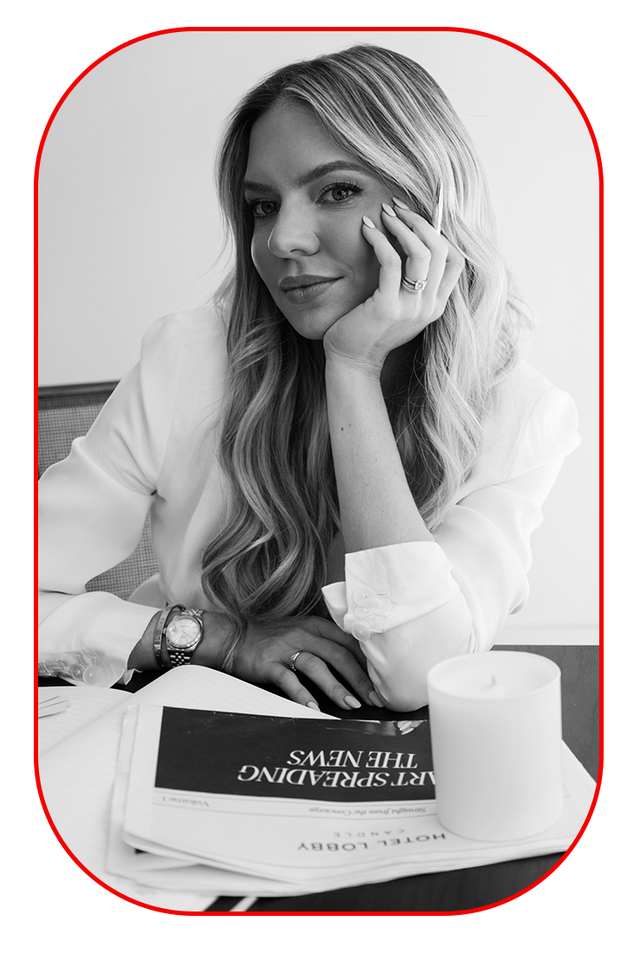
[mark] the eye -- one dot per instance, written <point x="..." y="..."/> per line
<point x="261" y="209"/>
<point x="339" y="192"/>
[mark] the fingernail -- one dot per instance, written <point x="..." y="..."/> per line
<point x="313" y="705"/>
<point x="351" y="701"/>
<point x="389" y="210"/>
<point x="368" y="223"/>
<point x="400" y="203"/>
<point x="375" y="699"/>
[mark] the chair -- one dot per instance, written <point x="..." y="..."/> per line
<point x="67" y="412"/>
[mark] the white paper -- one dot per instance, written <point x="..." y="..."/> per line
<point x="289" y="842"/>
<point x="77" y="775"/>
<point x="85" y="705"/>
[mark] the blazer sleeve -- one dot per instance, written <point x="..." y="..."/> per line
<point x="413" y="604"/>
<point x="92" y="509"/>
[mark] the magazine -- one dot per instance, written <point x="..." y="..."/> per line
<point x="259" y="805"/>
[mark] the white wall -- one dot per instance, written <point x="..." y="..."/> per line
<point x="129" y="231"/>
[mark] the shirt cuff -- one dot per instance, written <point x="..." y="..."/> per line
<point x="89" y="638"/>
<point x="386" y="587"/>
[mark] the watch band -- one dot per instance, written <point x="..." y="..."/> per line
<point x="158" y="634"/>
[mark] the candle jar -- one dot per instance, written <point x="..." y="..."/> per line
<point x="496" y="732"/>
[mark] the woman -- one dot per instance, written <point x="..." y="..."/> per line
<point x="347" y="429"/>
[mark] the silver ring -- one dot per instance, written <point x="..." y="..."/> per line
<point x="292" y="660"/>
<point x="413" y="286"/>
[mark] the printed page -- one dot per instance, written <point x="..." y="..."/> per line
<point x="164" y="871"/>
<point x="172" y="803"/>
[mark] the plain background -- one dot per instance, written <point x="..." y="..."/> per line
<point x="129" y="231"/>
<point x="587" y="905"/>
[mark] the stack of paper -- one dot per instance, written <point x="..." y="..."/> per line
<point x="306" y="804"/>
<point x="175" y="807"/>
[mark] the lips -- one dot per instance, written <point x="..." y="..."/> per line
<point x="306" y="287"/>
<point x="306" y="280"/>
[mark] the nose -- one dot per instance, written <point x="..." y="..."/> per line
<point x="293" y="233"/>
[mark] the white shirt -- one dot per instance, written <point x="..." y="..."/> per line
<point x="153" y="447"/>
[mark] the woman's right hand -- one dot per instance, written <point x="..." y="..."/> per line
<point x="328" y="657"/>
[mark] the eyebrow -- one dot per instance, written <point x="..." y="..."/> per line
<point x="320" y="171"/>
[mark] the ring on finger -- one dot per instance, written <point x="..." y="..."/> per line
<point x="413" y="286"/>
<point x="292" y="659"/>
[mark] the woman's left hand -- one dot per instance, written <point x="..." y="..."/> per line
<point x="394" y="315"/>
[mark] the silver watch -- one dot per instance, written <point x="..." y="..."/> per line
<point x="183" y="634"/>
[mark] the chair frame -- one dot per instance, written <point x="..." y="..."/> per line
<point x="129" y="573"/>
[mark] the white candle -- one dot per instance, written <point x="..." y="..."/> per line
<point x="496" y="732"/>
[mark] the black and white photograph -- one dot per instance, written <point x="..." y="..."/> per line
<point x="318" y="459"/>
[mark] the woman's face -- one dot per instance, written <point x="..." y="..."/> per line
<point x="308" y="197"/>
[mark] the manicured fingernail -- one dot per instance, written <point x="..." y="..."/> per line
<point x="375" y="699"/>
<point x="351" y="701"/>
<point x="389" y="210"/>
<point x="400" y="203"/>
<point x="313" y="705"/>
<point x="368" y="223"/>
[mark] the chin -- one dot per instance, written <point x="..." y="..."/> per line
<point x="311" y="331"/>
<point x="310" y="324"/>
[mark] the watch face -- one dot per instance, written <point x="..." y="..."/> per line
<point x="183" y="632"/>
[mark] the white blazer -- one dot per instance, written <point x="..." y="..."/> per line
<point x="153" y="448"/>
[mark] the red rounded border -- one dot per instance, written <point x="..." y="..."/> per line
<point x="478" y="33"/>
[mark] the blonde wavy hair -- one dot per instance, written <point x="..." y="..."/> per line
<point x="268" y="563"/>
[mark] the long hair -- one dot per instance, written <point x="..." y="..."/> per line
<point x="269" y="561"/>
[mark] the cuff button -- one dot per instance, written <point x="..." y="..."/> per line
<point x="361" y="632"/>
<point x="363" y="611"/>
<point x="90" y="675"/>
<point x="362" y="594"/>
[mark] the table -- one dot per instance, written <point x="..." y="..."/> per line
<point x="455" y="890"/>
<point x="469" y="889"/>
